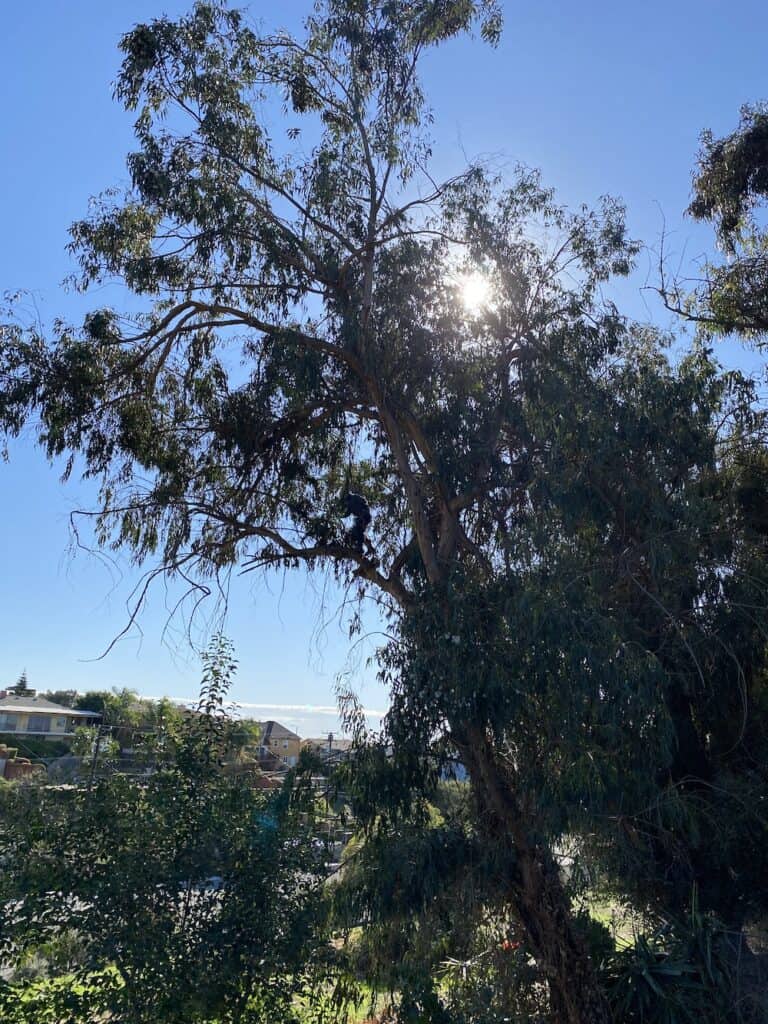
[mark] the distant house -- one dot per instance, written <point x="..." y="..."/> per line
<point x="330" y="747"/>
<point x="278" y="745"/>
<point x="30" y="715"/>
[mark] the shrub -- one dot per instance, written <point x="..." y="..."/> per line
<point x="685" y="970"/>
<point x="35" y="749"/>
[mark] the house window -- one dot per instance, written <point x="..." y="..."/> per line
<point x="39" y="723"/>
<point x="8" y="722"/>
<point x="285" y="744"/>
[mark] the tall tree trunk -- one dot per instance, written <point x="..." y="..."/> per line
<point x="537" y="893"/>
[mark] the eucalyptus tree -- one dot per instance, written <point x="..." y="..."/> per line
<point x="326" y="321"/>
<point x="730" y="189"/>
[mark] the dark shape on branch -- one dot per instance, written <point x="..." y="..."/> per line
<point x="357" y="506"/>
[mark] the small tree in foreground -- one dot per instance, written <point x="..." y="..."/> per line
<point x="194" y="898"/>
<point x="546" y="510"/>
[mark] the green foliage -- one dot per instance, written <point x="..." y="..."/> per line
<point x="140" y="725"/>
<point x="117" y="707"/>
<point x="496" y="980"/>
<point x="33" y="748"/>
<point x="733" y="175"/>
<point x="243" y="737"/>
<point x="683" y="971"/>
<point x="88" y="741"/>
<point x="618" y="629"/>
<point x="730" y="189"/>
<point x="195" y="897"/>
<point x="56" y="957"/>
<point x="566" y="532"/>
<point x="66" y="698"/>
<point x="21" y="686"/>
<point x="423" y="905"/>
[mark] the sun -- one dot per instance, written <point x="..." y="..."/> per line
<point x="474" y="290"/>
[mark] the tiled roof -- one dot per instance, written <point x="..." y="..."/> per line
<point x="276" y="731"/>
<point x="337" y="743"/>
<point x="28" y="704"/>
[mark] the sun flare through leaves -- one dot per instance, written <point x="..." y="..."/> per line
<point x="474" y="290"/>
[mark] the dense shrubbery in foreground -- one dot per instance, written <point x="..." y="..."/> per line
<point x="186" y="895"/>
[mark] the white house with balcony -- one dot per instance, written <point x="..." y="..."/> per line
<point x="30" y="715"/>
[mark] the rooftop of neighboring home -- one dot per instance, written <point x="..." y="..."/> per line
<point x="29" y="703"/>
<point x="276" y="731"/>
<point x="332" y="744"/>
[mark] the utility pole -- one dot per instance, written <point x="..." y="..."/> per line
<point x="95" y="757"/>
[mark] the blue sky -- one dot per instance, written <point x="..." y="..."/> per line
<point x="603" y="97"/>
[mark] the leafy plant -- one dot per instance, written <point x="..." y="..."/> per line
<point x="552" y="514"/>
<point x="195" y="897"/>
<point x="682" y="972"/>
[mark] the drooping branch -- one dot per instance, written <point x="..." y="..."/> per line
<point x="221" y="315"/>
<point x="366" y="567"/>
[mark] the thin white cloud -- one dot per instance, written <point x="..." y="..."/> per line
<point x="305" y="719"/>
<point x="307" y="709"/>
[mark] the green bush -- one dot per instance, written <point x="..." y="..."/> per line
<point x="35" y="749"/>
<point x="683" y="971"/>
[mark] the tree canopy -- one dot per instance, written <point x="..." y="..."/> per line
<point x="730" y="189"/>
<point x="21" y="686"/>
<point x="564" y="525"/>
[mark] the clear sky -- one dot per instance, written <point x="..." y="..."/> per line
<point x="604" y="97"/>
